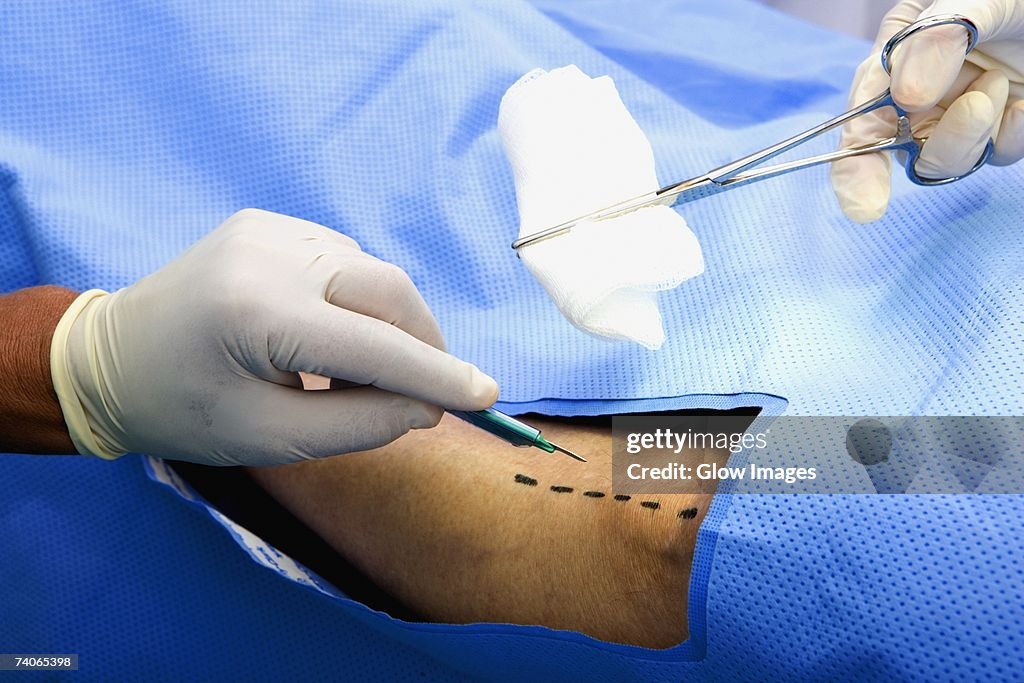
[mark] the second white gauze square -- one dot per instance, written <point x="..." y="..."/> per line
<point x="574" y="149"/>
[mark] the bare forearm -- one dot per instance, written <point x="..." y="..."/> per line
<point x="30" y="415"/>
<point x="463" y="528"/>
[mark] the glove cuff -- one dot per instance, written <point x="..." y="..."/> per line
<point x="69" y="391"/>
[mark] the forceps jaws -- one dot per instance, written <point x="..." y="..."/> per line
<point x="744" y="171"/>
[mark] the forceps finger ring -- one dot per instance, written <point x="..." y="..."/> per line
<point x="905" y="140"/>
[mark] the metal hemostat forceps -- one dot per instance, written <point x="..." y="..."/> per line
<point x="739" y="172"/>
<point x="511" y="430"/>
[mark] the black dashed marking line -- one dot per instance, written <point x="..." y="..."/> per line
<point x="689" y="513"/>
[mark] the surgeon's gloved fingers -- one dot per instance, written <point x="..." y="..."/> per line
<point x="862" y="186"/>
<point x="993" y="84"/>
<point x="298" y="425"/>
<point x="861" y="183"/>
<point x="899" y="17"/>
<point x="256" y="221"/>
<point x="342" y="240"/>
<point x="1009" y="148"/>
<point x="925" y="66"/>
<point x="384" y="291"/>
<point x="335" y="342"/>
<point x="259" y="224"/>
<point x="959" y="138"/>
<point x="994" y="19"/>
<point x="996" y="87"/>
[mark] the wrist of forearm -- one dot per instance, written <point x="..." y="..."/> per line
<point x="30" y="415"/>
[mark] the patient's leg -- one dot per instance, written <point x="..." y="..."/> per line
<point x="464" y="528"/>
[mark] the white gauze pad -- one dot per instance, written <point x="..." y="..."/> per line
<point x="574" y="149"/>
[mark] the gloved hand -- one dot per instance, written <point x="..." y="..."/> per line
<point x="198" y="361"/>
<point x="957" y="103"/>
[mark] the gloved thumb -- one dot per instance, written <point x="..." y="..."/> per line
<point x="925" y="65"/>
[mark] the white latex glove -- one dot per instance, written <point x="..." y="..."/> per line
<point x="198" y="361"/>
<point x="957" y="103"/>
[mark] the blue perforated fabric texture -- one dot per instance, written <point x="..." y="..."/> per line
<point x="127" y="131"/>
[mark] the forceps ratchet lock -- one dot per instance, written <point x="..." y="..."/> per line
<point x="740" y="172"/>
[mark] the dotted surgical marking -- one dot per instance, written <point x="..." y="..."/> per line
<point x="653" y="505"/>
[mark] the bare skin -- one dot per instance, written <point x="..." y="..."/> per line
<point x="438" y="519"/>
<point x="30" y="417"/>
